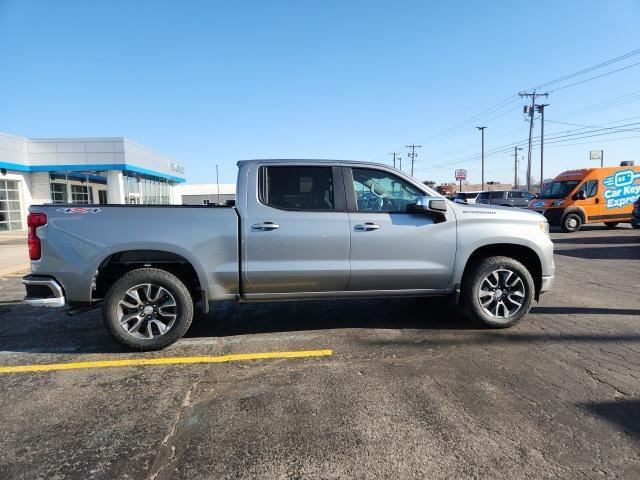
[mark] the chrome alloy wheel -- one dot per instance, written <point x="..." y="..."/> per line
<point x="147" y="311"/>
<point x="501" y="293"/>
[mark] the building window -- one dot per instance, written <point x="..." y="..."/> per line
<point x="59" y="193"/>
<point x="142" y="189"/>
<point x="10" y="211"/>
<point x="81" y="194"/>
<point x="102" y="197"/>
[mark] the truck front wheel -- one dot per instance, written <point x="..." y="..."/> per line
<point x="148" y="309"/>
<point x="571" y="223"/>
<point x="497" y="292"/>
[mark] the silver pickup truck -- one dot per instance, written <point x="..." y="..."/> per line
<point x="300" y="230"/>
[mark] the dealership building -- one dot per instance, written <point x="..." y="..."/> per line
<point x="81" y="171"/>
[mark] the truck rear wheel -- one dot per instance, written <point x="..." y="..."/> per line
<point x="148" y="309"/>
<point x="497" y="292"/>
<point x="571" y="223"/>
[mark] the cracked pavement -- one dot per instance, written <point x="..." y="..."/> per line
<point x="412" y="389"/>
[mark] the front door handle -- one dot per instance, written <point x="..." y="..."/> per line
<point x="266" y="226"/>
<point x="367" y="226"/>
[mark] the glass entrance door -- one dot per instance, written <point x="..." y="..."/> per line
<point x="10" y="212"/>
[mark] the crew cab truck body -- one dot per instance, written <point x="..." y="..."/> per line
<point x="591" y="195"/>
<point x="300" y="229"/>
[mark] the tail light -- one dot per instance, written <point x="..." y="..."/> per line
<point x="35" y="220"/>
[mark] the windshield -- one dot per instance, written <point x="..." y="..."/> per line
<point x="558" y="189"/>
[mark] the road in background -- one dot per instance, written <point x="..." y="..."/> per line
<point x="412" y="390"/>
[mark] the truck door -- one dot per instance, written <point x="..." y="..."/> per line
<point x="390" y="248"/>
<point x="296" y="230"/>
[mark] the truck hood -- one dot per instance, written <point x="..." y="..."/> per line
<point x="475" y="210"/>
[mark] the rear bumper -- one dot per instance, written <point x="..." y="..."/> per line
<point x="43" y="291"/>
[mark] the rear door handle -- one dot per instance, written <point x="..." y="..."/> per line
<point x="265" y="226"/>
<point x="367" y="227"/>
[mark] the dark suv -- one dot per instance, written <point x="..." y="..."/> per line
<point x="505" y="198"/>
<point x="635" y="216"/>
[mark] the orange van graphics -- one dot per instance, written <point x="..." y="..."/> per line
<point x="593" y="195"/>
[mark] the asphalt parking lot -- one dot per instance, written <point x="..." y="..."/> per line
<point x="408" y="390"/>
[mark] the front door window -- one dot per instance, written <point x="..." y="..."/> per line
<point x="378" y="191"/>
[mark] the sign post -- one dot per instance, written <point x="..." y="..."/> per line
<point x="461" y="174"/>
<point x="597" y="155"/>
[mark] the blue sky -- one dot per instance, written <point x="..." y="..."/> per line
<point x="215" y="82"/>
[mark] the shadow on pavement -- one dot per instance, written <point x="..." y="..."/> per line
<point x="230" y="318"/>
<point x="30" y="330"/>
<point x="603" y="253"/>
<point x="608" y="240"/>
<point x="585" y="310"/>
<point x="623" y="413"/>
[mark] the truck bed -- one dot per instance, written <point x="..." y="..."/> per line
<point x="77" y="239"/>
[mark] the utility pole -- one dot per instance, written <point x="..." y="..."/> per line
<point x="398" y="157"/>
<point x="218" y="184"/>
<point x="515" y="166"/>
<point x="540" y="109"/>
<point x="530" y="110"/>
<point x="413" y="154"/>
<point x="482" y="131"/>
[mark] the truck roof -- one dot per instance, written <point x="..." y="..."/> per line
<point x="310" y="161"/>
<point x="583" y="172"/>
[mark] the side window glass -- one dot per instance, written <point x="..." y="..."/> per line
<point x="297" y="188"/>
<point x="378" y="191"/>
<point x="516" y="194"/>
<point x="590" y="188"/>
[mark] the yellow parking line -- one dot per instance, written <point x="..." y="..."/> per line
<point x="165" y="361"/>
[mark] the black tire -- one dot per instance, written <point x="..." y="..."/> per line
<point x="112" y="310"/>
<point x="471" y="287"/>
<point x="635" y="225"/>
<point x="611" y="225"/>
<point x="571" y="222"/>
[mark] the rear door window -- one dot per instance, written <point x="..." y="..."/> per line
<point x="297" y="188"/>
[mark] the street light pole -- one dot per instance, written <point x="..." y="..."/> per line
<point x="218" y="184"/>
<point x="540" y="109"/>
<point x="482" y="131"/>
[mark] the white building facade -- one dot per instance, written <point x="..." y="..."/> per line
<point x="81" y="171"/>
<point x="207" y="193"/>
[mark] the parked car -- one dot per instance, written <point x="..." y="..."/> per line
<point x="300" y="230"/>
<point x="590" y="195"/>
<point x="505" y="198"/>
<point x="465" y="197"/>
<point x="635" y="215"/>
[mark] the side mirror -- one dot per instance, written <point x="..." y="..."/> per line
<point x="429" y="205"/>
<point x="580" y="195"/>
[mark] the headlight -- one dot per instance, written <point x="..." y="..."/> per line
<point x="557" y="203"/>
<point x="544" y="226"/>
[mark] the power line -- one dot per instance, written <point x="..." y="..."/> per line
<point x="597" y="76"/>
<point x="587" y="70"/>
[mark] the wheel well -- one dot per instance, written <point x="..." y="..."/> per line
<point x="526" y="256"/>
<point x="116" y="265"/>
<point x="577" y="211"/>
